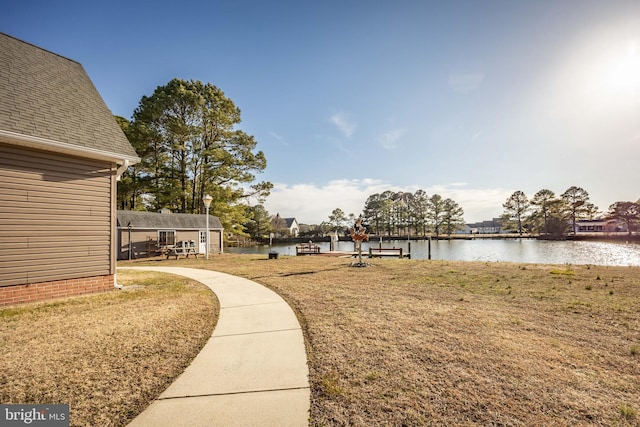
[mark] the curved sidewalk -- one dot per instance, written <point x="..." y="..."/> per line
<point x="252" y="371"/>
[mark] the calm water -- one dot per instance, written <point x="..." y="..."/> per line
<point x="511" y="250"/>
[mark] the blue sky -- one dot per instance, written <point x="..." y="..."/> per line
<point x="472" y="100"/>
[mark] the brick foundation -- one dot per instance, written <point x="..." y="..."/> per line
<point x="20" y="294"/>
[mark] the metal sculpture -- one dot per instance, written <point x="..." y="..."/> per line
<point x="359" y="234"/>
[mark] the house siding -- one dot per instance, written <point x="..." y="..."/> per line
<point x="56" y="222"/>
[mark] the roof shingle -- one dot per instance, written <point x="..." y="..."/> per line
<point x="141" y="219"/>
<point x="48" y="96"/>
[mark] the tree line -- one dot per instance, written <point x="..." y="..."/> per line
<point x="390" y="213"/>
<point x="548" y="214"/>
<point x="405" y="213"/>
<point x="402" y="213"/>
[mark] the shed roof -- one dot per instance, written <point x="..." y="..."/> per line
<point x="155" y="220"/>
<point x="49" y="99"/>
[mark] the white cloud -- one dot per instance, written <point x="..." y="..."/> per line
<point x="344" y="125"/>
<point x="310" y="203"/>
<point x="389" y="140"/>
<point x="279" y="138"/>
<point x="475" y="137"/>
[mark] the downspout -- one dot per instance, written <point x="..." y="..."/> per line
<point x="121" y="169"/>
<point x="119" y="172"/>
<point x="115" y="283"/>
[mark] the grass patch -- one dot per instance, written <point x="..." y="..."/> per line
<point x="562" y="272"/>
<point x="628" y="413"/>
<point x="106" y="355"/>
<point x="330" y="385"/>
<point x="403" y="343"/>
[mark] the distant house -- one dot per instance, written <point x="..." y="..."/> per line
<point x="599" y="226"/>
<point x="143" y="234"/>
<point x="493" y="226"/>
<point x="464" y="229"/>
<point x="61" y="152"/>
<point x="285" y="227"/>
<point x="292" y="226"/>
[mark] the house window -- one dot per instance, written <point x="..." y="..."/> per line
<point x="166" y="238"/>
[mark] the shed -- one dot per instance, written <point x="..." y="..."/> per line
<point x="144" y="234"/>
<point x="61" y="152"/>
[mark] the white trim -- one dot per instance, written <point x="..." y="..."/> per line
<point x="65" y="148"/>
<point x="166" y="230"/>
<point x="202" y="246"/>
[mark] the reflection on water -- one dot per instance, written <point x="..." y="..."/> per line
<point x="508" y="250"/>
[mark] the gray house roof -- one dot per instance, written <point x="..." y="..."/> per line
<point x="170" y="221"/>
<point x="48" y="101"/>
<point x="289" y="221"/>
<point x="493" y="223"/>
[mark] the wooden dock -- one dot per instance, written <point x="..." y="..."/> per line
<point x="308" y="249"/>
<point x="388" y="252"/>
<point x="340" y="254"/>
<point x="374" y="252"/>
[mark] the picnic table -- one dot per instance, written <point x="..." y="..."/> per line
<point x="182" y="248"/>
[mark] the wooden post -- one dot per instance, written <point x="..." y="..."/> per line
<point x="429" y="246"/>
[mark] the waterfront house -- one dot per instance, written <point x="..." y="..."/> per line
<point x="285" y="227"/>
<point x="292" y="226"/>
<point x="599" y="226"/>
<point x="493" y="226"/>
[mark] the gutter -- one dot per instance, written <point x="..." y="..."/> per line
<point x="65" y="148"/>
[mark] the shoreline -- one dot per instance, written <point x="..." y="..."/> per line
<point x="603" y="237"/>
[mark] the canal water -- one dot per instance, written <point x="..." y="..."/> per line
<point x="504" y="250"/>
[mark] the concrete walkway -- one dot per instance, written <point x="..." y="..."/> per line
<point x="252" y="371"/>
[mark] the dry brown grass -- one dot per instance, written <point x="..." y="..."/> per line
<point x="461" y="343"/>
<point x="106" y="355"/>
